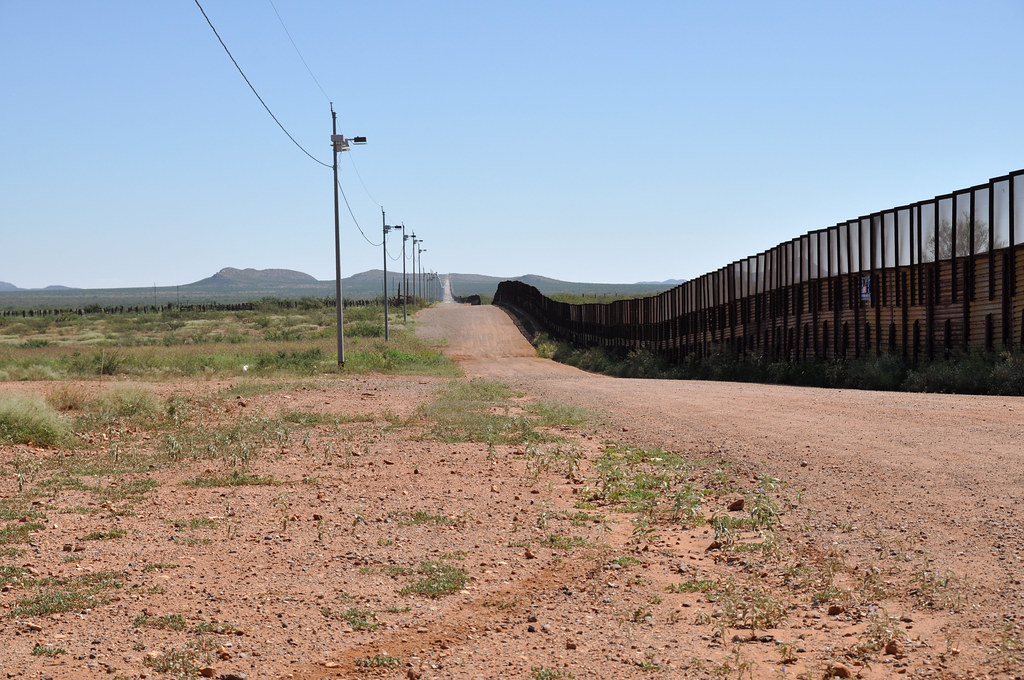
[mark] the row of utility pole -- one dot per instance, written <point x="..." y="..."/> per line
<point x="417" y="248"/>
<point x="340" y="144"/>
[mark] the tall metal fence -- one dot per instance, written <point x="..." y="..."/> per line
<point x="920" y="280"/>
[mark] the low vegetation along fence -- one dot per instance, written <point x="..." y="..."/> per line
<point x="254" y="305"/>
<point x="920" y="280"/>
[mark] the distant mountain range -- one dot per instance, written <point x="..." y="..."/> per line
<point x="235" y="285"/>
<point x="10" y="287"/>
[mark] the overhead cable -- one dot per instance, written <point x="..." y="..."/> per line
<point x="326" y="165"/>
<point x="375" y="245"/>
<point x="297" y="50"/>
<point x="364" y="185"/>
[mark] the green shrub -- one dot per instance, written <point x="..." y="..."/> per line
<point x="68" y="397"/>
<point x="101" y="363"/>
<point x="1008" y="375"/>
<point x="365" y="329"/>
<point x="546" y="346"/>
<point x="969" y="374"/>
<point x="303" y="361"/>
<point x="128" y="401"/>
<point x="30" y="420"/>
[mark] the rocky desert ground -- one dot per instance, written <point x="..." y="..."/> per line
<point x="525" y="521"/>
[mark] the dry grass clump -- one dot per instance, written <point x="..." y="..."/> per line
<point x="30" y="420"/>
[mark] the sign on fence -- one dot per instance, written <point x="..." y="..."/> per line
<point x="865" y="287"/>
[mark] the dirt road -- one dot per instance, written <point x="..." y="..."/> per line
<point x="940" y="475"/>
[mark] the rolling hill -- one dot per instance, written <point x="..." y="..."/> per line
<point x="238" y="285"/>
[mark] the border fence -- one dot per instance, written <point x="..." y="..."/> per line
<point x="920" y="280"/>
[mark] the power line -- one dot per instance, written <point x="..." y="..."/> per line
<point x="364" y="185"/>
<point x="315" y="80"/>
<point x="297" y="50"/>
<point x="326" y="165"/>
<point x="375" y="245"/>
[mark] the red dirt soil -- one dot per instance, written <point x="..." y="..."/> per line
<point x="918" y="496"/>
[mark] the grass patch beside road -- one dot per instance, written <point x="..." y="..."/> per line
<point x="275" y="340"/>
<point x="487" y="411"/>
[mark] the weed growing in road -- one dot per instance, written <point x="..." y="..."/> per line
<point x="830" y="593"/>
<point x="540" y="459"/>
<point x="312" y="418"/>
<point x="194" y="523"/>
<point x="1009" y="646"/>
<point x="936" y="588"/>
<point x="750" y="605"/>
<point x="159" y="566"/>
<point x="236" y="478"/>
<point x="687" y="506"/>
<point x="880" y="631"/>
<point x="643" y="530"/>
<point x="764" y="511"/>
<point x="169" y="622"/>
<point x="558" y="414"/>
<point x="19" y="532"/>
<point x="438" y="578"/>
<point x="358" y="619"/>
<point x="378" y="661"/>
<point x="240" y="441"/>
<point x="564" y="542"/>
<point x="703" y="585"/>
<point x="105" y="535"/>
<point x="216" y="627"/>
<point x="68" y="594"/>
<point x="422" y="517"/>
<point x="872" y="586"/>
<point x="635" y="479"/>
<point x="186" y="661"/>
<point x="478" y="411"/>
<point x="625" y="561"/>
<point x="649" y="663"/>
<point x="10" y="575"/>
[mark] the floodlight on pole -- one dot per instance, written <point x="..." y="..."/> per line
<point x="422" y="283"/>
<point x="405" y="290"/>
<point x="414" y="242"/>
<point x="384" y="246"/>
<point x="339" y="143"/>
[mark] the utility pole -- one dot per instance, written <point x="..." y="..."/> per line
<point x="405" y="284"/>
<point x="414" y="242"/>
<point x="339" y="314"/>
<point x="384" y="245"/>
<point x="339" y="144"/>
<point x="422" y="282"/>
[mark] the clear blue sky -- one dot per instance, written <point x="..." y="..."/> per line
<point x="581" y="140"/>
